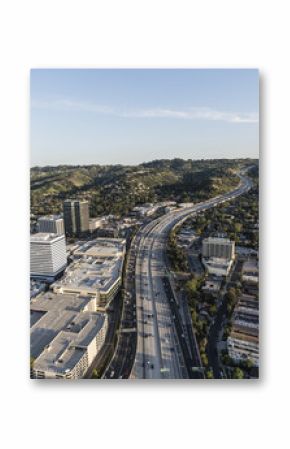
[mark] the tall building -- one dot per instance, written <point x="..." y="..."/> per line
<point x="76" y="217"/>
<point x="218" y="247"/>
<point x="52" y="224"/>
<point x="47" y="255"/>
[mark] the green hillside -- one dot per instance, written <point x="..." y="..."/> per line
<point x="116" y="189"/>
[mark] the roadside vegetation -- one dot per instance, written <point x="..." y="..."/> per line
<point x="176" y="255"/>
<point x="239" y="221"/>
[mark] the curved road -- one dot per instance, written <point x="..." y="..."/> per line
<point x="161" y="347"/>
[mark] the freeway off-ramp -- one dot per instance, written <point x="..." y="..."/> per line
<point x="162" y="350"/>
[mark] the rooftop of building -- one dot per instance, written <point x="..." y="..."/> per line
<point x="68" y="201"/>
<point x="217" y="262"/>
<point x="90" y="274"/>
<point x="50" y="313"/>
<point x="250" y="267"/>
<point x="212" y="285"/>
<point x="50" y="301"/>
<point x="45" y="237"/>
<point x="249" y="301"/>
<point x="97" y="265"/>
<point x="36" y="287"/>
<point x="50" y="218"/>
<point x="246" y="318"/>
<point x="94" y="219"/>
<point x="66" y="349"/>
<point x="218" y="240"/>
<point x="102" y="247"/>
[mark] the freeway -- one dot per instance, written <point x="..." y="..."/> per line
<point x="162" y="349"/>
<point x="122" y="361"/>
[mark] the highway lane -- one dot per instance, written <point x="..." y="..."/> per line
<point x="160" y="350"/>
<point x="156" y="358"/>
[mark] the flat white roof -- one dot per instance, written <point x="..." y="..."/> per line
<point x="45" y="237"/>
<point x="65" y="350"/>
<point x="50" y="218"/>
<point x="217" y="240"/>
<point x="49" y="314"/>
<point x="97" y="265"/>
<point x="102" y="247"/>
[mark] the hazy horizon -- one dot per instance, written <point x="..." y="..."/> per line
<point x="126" y="116"/>
<point x="145" y="162"/>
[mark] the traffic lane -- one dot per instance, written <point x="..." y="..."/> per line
<point x="166" y="330"/>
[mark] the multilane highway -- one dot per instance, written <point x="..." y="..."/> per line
<point x="162" y="350"/>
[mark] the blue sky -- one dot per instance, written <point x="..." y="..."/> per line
<point x="107" y="116"/>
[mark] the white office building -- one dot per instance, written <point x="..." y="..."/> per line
<point x="52" y="224"/>
<point x="47" y="255"/>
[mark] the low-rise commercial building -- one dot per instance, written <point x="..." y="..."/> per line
<point x="66" y="335"/>
<point x="217" y="266"/>
<point x="250" y="271"/>
<point x="96" y="267"/>
<point x="212" y="286"/>
<point x="95" y="223"/>
<point x="243" y="342"/>
<point x="146" y="210"/>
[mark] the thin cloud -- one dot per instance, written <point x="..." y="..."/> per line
<point x="192" y="113"/>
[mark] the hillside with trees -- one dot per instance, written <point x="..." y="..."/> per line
<point x="116" y="189"/>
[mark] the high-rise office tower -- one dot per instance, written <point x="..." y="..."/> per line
<point x="52" y="224"/>
<point x="76" y="217"/>
<point x="47" y="255"/>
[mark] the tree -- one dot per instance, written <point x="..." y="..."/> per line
<point x="238" y="227"/>
<point x="213" y="310"/>
<point x="226" y="359"/>
<point x="231" y="296"/>
<point x="238" y="373"/>
<point x="96" y="374"/>
<point x="193" y="316"/>
<point x="209" y="374"/>
<point x="204" y="359"/>
<point x="248" y="364"/>
<point x="191" y="286"/>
